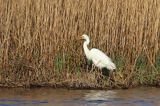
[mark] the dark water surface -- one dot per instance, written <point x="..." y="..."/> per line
<point x="60" y="97"/>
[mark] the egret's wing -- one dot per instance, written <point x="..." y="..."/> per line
<point x="98" y="55"/>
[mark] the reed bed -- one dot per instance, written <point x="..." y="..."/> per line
<point x="39" y="45"/>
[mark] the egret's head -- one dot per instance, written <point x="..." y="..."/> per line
<point x="85" y="37"/>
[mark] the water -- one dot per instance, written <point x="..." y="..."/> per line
<point x="60" y="97"/>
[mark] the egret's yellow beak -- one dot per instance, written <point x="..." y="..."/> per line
<point x="80" y="38"/>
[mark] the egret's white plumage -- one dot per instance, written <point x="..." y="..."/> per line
<point x="98" y="58"/>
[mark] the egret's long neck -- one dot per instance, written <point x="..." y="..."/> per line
<point x="86" y="50"/>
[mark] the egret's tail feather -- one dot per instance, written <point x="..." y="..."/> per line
<point x="111" y="66"/>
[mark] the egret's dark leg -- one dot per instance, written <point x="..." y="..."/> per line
<point x="89" y="65"/>
<point x="105" y="72"/>
<point x="89" y="62"/>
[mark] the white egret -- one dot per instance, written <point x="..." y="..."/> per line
<point x="98" y="58"/>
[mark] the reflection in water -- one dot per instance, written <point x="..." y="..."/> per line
<point x="99" y="95"/>
<point x="61" y="97"/>
<point x="131" y="97"/>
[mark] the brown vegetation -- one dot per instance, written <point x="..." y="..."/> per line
<point x="39" y="46"/>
